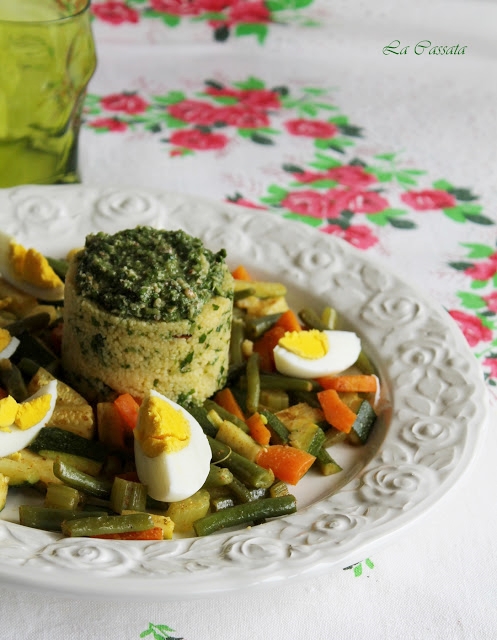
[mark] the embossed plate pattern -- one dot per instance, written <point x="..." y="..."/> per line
<point x="434" y="407"/>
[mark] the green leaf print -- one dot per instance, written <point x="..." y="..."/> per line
<point x="250" y="83"/>
<point x="260" y="31"/>
<point x="471" y="300"/>
<point x="478" y="250"/>
<point x="312" y="222"/>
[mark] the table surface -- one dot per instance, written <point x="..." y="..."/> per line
<point x="353" y="119"/>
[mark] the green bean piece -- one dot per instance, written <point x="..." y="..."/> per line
<point x="236" y="340"/>
<point x="243" y="293"/>
<point x="278" y="430"/>
<point x="330" y="318"/>
<point x="218" y="477"/>
<point x="272" y="381"/>
<point x="59" y="265"/>
<point x="311" y="319"/>
<point x="222" y="502"/>
<point x="127" y="495"/>
<point x="12" y="380"/>
<point x="36" y="322"/>
<point x="279" y="488"/>
<point x="60" y="496"/>
<point x="200" y="415"/>
<point x="81" y="481"/>
<point x="240" y="491"/>
<point x="32" y="347"/>
<point x="262" y="289"/>
<point x="364" y="364"/>
<point x="250" y="473"/>
<point x="309" y="397"/>
<point x="102" y="525"/>
<point x="253" y="383"/>
<point x="255" y="327"/>
<point x="245" y="514"/>
<point x="210" y="405"/>
<point x="50" y="519"/>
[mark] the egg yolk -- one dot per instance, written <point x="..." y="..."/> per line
<point x="161" y="428"/>
<point x="8" y="411"/>
<point x="30" y="412"/>
<point x="32" y="267"/>
<point x="5" y="338"/>
<point x="311" y="344"/>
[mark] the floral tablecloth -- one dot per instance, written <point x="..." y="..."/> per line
<point x="376" y="124"/>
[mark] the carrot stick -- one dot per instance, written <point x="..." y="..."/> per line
<point x="265" y="345"/>
<point x="354" y="383"/>
<point x="241" y="273"/>
<point x="227" y="400"/>
<point x="258" y="430"/>
<point x="289" y="321"/>
<point x="155" y="533"/>
<point x="128" y="408"/>
<point x="287" y="463"/>
<point x="336" y="412"/>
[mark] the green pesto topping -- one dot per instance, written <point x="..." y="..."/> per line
<point x="150" y="274"/>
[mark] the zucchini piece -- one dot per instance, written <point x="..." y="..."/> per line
<point x="238" y="440"/>
<point x="327" y="466"/>
<point x="279" y="432"/>
<point x="33" y="348"/>
<point x="91" y="467"/>
<point x="27" y="468"/>
<point x="184" y="512"/>
<point x="60" y="496"/>
<point x="55" y="439"/>
<point x="333" y="436"/>
<point x="352" y="399"/>
<point x="299" y="414"/>
<point x="366" y="417"/>
<point x="4" y="488"/>
<point x="308" y="437"/>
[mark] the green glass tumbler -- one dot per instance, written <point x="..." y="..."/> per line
<point x="47" y="57"/>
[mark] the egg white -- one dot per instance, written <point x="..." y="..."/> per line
<point x="344" y="348"/>
<point x="175" y="476"/>
<point x="17" y="439"/>
<point x="8" y="273"/>
<point x="9" y="350"/>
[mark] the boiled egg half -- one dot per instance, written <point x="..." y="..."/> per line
<point x="312" y="354"/>
<point x="8" y="344"/>
<point x="20" y="422"/>
<point x="29" y="270"/>
<point x="172" y="453"/>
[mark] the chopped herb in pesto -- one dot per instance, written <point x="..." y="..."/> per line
<point x="150" y="274"/>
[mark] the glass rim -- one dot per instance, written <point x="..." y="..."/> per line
<point x="49" y="21"/>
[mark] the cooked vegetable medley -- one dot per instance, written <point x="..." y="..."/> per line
<point x="145" y="468"/>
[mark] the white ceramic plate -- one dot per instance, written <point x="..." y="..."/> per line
<point x="433" y="397"/>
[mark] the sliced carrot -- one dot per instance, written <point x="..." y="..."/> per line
<point x="128" y="408"/>
<point x="241" y="273"/>
<point x="56" y="337"/>
<point x="287" y="463"/>
<point x="336" y="412"/>
<point x="258" y="430"/>
<point x="155" y="533"/>
<point x="227" y="400"/>
<point x="265" y="345"/>
<point x="350" y="383"/>
<point x="289" y="321"/>
<point x="3" y="393"/>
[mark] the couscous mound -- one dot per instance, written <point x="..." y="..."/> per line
<point x="147" y="309"/>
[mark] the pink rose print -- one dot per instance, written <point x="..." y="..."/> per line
<point x="176" y="7"/>
<point x="115" y="12"/>
<point x="246" y="203"/>
<point x="243" y="117"/>
<point x="358" y="201"/>
<point x="253" y="12"/>
<point x="491" y="301"/>
<point x="309" y="203"/>
<point x="482" y="270"/>
<point x="213" y="5"/>
<point x="194" y="111"/>
<point x="472" y="327"/>
<point x="311" y="128"/>
<point x="198" y="140"/>
<point x="491" y="363"/>
<point x="348" y="176"/>
<point x="261" y="98"/>
<point x="359" y="235"/>
<point x="428" y="199"/>
<point x="112" y="124"/>
<point x="128" y="103"/>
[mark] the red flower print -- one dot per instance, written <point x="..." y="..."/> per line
<point x="198" y="140"/>
<point x="128" y="103"/>
<point x="309" y="203"/>
<point x="358" y="201"/>
<point x="176" y="7"/>
<point x="115" y="12"/>
<point x="195" y="111"/>
<point x="351" y="176"/>
<point x="244" y="117"/>
<point x="213" y="5"/>
<point x="472" y="327"/>
<point x="482" y="270"/>
<point x="491" y="363"/>
<point x="112" y="124"/>
<point x="253" y="12"/>
<point x="311" y="128"/>
<point x="261" y="98"/>
<point x="246" y="203"/>
<point x="357" y="235"/>
<point x="491" y="301"/>
<point x="428" y="199"/>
